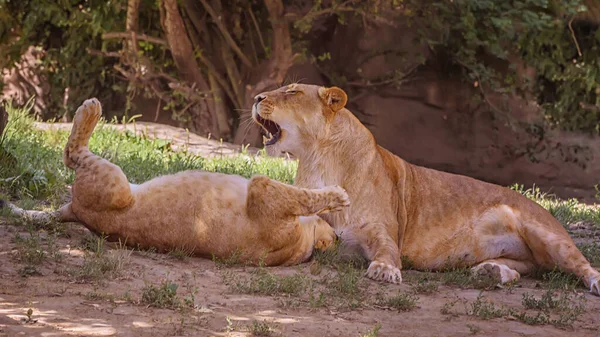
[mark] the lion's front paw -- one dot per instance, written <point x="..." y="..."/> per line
<point x="324" y="236"/>
<point x="336" y="198"/>
<point x="595" y="286"/>
<point x="384" y="272"/>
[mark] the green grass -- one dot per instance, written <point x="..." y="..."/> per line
<point x="401" y="301"/>
<point x="39" y="172"/>
<point x="261" y="329"/>
<point x="565" y="211"/>
<point x="100" y="264"/>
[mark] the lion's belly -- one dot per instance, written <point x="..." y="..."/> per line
<point x="488" y="235"/>
<point x="195" y="211"/>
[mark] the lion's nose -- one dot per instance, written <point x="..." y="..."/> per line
<point x="259" y="98"/>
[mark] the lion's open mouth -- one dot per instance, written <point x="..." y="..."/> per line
<point x="272" y="129"/>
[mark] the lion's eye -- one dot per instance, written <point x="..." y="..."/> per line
<point x="291" y="92"/>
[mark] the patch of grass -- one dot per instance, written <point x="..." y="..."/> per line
<point x="559" y="280"/>
<point x="565" y="211"/>
<point x="567" y="309"/>
<point x="262" y="282"/>
<point x="486" y="309"/>
<point x="425" y="287"/>
<point x="232" y="261"/>
<point x="101" y="264"/>
<point x="333" y="257"/>
<point x="401" y="301"/>
<point x="98" y="296"/>
<point x="29" y="250"/>
<point x="161" y="296"/>
<point x="465" y="278"/>
<point x="591" y="251"/>
<point x="34" y="248"/>
<point x="347" y="284"/>
<point x="180" y="253"/>
<point x="540" y="318"/>
<point x="261" y="329"/>
<point x="373" y="332"/>
<point x="545" y="303"/>
<point x="473" y="329"/>
<point x="560" y="311"/>
<point x="448" y="308"/>
<point x="39" y="172"/>
<point x="423" y="282"/>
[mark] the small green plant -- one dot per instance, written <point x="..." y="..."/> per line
<point x="401" y="301"/>
<point x="448" y="307"/>
<point x="261" y="329"/>
<point x="486" y="309"/>
<point x="29" y="318"/>
<point x="465" y="278"/>
<point x="161" y="296"/>
<point x="231" y="261"/>
<point x="559" y="280"/>
<point x="425" y="287"/>
<point x="546" y="303"/>
<point x="373" y="332"/>
<point x="540" y="318"/>
<point x="29" y="249"/>
<point x="564" y="306"/>
<point x="262" y="282"/>
<point x="101" y="264"/>
<point x="473" y="329"/>
<point x="180" y="253"/>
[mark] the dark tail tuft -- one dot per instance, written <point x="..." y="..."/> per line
<point x="2" y="203"/>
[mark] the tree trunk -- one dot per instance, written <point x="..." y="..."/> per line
<point x="3" y="120"/>
<point x="204" y="115"/>
<point x="273" y="72"/>
<point x="131" y="22"/>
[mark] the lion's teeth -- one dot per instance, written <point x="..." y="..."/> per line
<point x="264" y="139"/>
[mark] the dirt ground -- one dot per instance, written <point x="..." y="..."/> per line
<point x="62" y="306"/>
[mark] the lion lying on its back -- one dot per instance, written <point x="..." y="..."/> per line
<point x="435" y="219"/>
<point x="207" y="214"/>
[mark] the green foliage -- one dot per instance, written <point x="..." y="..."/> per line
<point x="39" y="172"/>
<point x="482" y="37"/>
<point x="62" y="31"/>
<point x="401" y="301"/>
<point x="565" y="211"/>
<point x="161" y="296"/>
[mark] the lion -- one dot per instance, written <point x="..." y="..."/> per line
<point x="205" y="214"/>
<point x="436" y="220"/>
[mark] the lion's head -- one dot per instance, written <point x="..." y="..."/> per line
<point x="295" y="113"/>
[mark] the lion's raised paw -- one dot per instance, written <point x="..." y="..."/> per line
<point x="337" y="198"/>
<point x="89" y="112"/>
<point x="384" y="272"/>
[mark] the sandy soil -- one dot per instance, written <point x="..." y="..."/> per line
<point x="63" y="306"/>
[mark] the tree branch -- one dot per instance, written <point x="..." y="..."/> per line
<point x="215" y="72"/>
<point x="127" y="35"/>
<point x="103" y="53"/>
<point x="230" y="41"/>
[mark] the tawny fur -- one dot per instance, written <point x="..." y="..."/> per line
<point x="205" y="214"/>
<point x="434" y="219"/>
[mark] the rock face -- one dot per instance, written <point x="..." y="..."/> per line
<point x="433" y="121"/>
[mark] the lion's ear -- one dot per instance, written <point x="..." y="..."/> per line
<point x="334" y="97"/>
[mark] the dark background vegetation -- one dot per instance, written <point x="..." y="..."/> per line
<point x="506" y="91"/>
